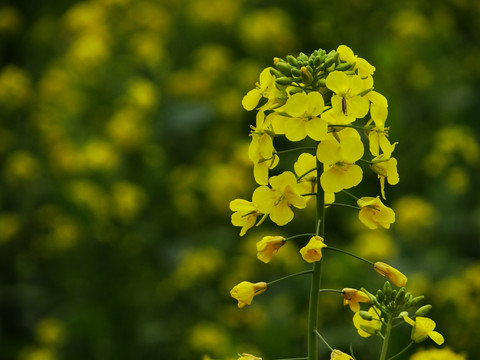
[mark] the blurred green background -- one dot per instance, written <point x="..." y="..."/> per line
<point x="123" y="139"/>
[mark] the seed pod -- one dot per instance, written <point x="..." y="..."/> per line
<point x="283" y="81"/>
<point x="415" y="301"/>
<point x="365" y="315"/>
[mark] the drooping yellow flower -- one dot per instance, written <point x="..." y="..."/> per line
<point x="347" y="101"/>
<point x="339" y="355"/>
<point x="303" y="117"/>
<point x="353" y="297"/>
<point x="278" y="199"/>
<point x="367" y="328"/>
<point x="339" y="152"/>
<point x="268" y="246"/>
<point x="246" y="356"/>
<point x="437" y="354"/>
<point x="245" y="291"/>
<point x="378" y="135"/>
<point x="261" y="151"/>
<point x="374" y="214"/>
<point x="363" y="66"/>
<point x="313" y="250"/>
<point x="393" y="274"/>
<point x="266" y="87"/>
<point x="245" y="214"/>
<point x="386" y="168"/>
<point x="423" y="328"/>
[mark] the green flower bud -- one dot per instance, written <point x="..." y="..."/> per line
<point x="284" y="68"/>
<point x="408" y="297"/>
<point x="296" y="72"/>
<point x="295" y="90"/>
<point x="317" y="61"/>
<point x="275" y="72"/>
<point x="368" y="329"/>
<point x="403" y="313"/>
<point x="400" y="298"/>
<point x="380" y="295"/>
<point x="283" y="81"/>
<point x="365" y="315"/>
<point x="302" y="57"/>
<point x="292" y="61"/>
<point x="307" y="76"/>
<point x="423" y="310"/>
<point x="415" y="301"/>
<point x="387" y="288"/>
<point x="343" y="66"/>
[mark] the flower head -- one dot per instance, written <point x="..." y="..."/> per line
<point x="367" y="328"/>
<point x="339" y="355"/>
<point x="268" y="246"/>
<point x="386" y="168"/>
<point x="245" y="291"/>
<point x="352" y="297"/>
<point x="266" y="87"/>
<point x="422" y="328"/>
<point x="393" y="274"/>
<point x="374" y="214"/>
<point x="313" y="250"/>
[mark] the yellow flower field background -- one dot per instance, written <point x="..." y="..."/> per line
<point x="123" y="140"/>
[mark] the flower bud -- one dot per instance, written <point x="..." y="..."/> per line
<point x="423" y="310"/>
<point x="415" y="301"/>
<point x="292" y="61"/>
<point x="400" y="298"/>
<point x="307" y="77"/>
<point x="365" y="315"/>
<point x="284" y="68"/>
<point x="387" y="289"/>
<point x="343" y="66"/>
<point x="380" y="295"/>
<point x="403" y="314"/>
<point x="283" y="81"/>
<point x="275" y="72"/>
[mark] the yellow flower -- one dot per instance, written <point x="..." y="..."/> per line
<point x="277" y="200"/>
<point x="352" y="297"/>
<point x="393" y="274"/>
<point x="363" y="66"/>
<point x="367" y="328"/>
<point x="266" y="87"/>
<point x="245" y="214"/>
<point x="374" y="214"/>
<point x="347" y="102"/>
<point x="313" y="250"/>
<point x="246" y="356"/>
<point x="338" y="152"/>
<point x="303" y="119"/>
<point x="245" y="291"/>
<point x="268" y="246"/>
<point x="261" y="150"/>
<point x="423" y="328"/>
<point x="386" y="168"/>
<point x="437" y="354"/>
<point x="339" y="355"/>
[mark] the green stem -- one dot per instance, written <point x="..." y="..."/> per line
<point x="345" y="205"/>
<point x="350" y="194"/>
<point x="317" y="272"/>
<point x="401" y="352"/>
<point x="324" y="341"/>
<point x="383" y="354"/>
<point x="331" y="290"/>
<point x="299" y="235"/>
<point x="296" y="149"/>
<point x="290" y="276"/>
<point x="349" y="253"/>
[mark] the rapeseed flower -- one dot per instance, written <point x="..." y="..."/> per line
<point x="303" y="117"/>
<point x="266" y="87"/>
<point x="338" y="152"/>
<point x="422" y="328"/>
<point x="278" y="199"/>
<point x="386" y="168"/>
<point x="245" y="291"/>
<point x="374" y="214"/>
<point x="313" y="250"/>
<point x="245" y="214"/>
<point x="347" y="101"/>
<point x="339" y="355"/>
<point x="268" y="246"/>
<point x="393" y="274"/>
<point x="363" y="66"/>
<point x="353" y="297"/>
<point x="367" y="328"/>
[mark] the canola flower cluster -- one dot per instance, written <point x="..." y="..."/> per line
<point x="325" y="102"/>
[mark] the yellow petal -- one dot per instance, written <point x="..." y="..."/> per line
<point x="338" y="82"/>
<point x="250" y="101"/>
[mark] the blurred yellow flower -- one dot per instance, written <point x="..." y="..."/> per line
<point x="245" y="291"/>
<point x="10" y="20"/>
<point x="208" y="337"/>
<point x="15" y="86"/>
<point x="353" y="297"/>
<point x="393" y="274"/>
<point x="9" y="226"/>
<point x="437" y="354"/>
<point x="375" y="244"/>
<point x="245" y="356"/>
<point x="415" y="215"/>
<point x="268" y="246"/>
<point x="313" y="250"/>
<point x="21" y="166"/>
<point x="127" y="200"/>
<point x="49" y="331"/>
